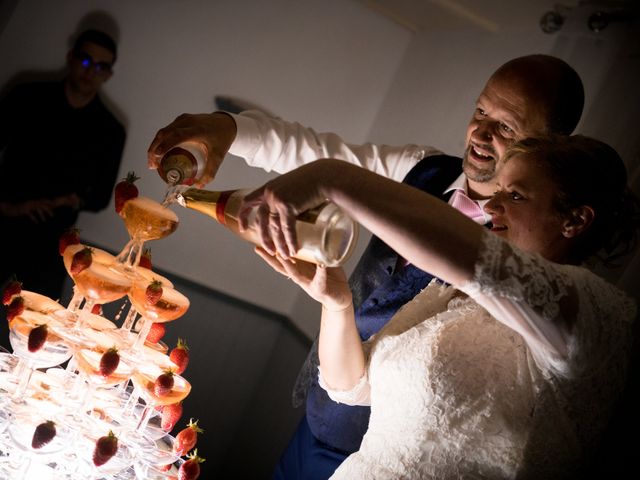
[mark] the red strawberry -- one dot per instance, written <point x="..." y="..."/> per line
<point x="180" y="356"/>
<point x="14" y="287"/>
<point x="145" y="259"/>
<point x="106" y="447"/>
<point x="153" y="293"/>
<point x="96" y="309"/>
<point x="156" y="333"/>
<point x="15" y="308"/>
<point x="70" y="237"/>
<point x="81" y="260"/>
<point x="190" y="470"/>
<point x="170" y="416"/>
<point x="43" y="434"/>
<point x="125" y="190"/>
<point x="37" y="337"/>
<point x="109" y="362"/>
<point x="186" y="439"/>
<point x="163" y="384"/>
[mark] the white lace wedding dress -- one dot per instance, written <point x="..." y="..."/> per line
<point x="514" y="378"/>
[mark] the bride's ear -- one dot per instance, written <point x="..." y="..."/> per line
<point x="578" y="221"/>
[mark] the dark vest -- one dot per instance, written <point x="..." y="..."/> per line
<point x="379" y="290"/>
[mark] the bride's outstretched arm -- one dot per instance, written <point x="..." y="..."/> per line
<point x="339" y="346"/>
<point x="421" y="228"/>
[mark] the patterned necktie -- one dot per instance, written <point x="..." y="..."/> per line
<point x="467" y="207"/>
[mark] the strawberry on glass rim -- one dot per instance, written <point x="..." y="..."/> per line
<point x="106" y="447"/>
<point x="156" y="333"/>
<point x="169" y="306"/>
<point x="187" y="438"/>
<point x="171" y="414"/>
<point x="43" y="434"/>
<point x="145" y="259"/>
<point x="158" y="387"/>
<point x="102" y="453"/>
<point x="96" y="280"/>
<point x="69" y="237"/>
<point x="190" y="470"/>
<point x="125" y="190"/>
<point x="180" y="356"/>
<point x="13" y="288"/>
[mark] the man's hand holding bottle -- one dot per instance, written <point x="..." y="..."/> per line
<point x="210" y="133"/>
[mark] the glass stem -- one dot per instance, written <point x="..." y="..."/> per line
<point x="76" y="300"/>
<point x="86" y="309"/>
<point x="144" y="418"/>
<point x="131" y="253"/>
<point x="24" y="377"/>
<point x="143" y="331"/>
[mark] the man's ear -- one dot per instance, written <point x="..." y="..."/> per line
<point x="578" y="221"/>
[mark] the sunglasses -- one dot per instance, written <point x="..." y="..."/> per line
<point x="88" y="62"/>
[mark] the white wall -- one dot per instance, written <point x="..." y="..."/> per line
<point x="327" y="63"/>
<point x="331" y="64"/>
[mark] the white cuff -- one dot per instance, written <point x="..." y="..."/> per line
<point x="248" y="138"/>
<point x="359" y="394"/>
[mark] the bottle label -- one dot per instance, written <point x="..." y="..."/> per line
<point x="222" y="205"/>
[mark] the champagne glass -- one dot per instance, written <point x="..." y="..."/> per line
<point x="100" y="282"/>
<point x="146" y="470"/>
<point x="145" y="220"/>
<point x="150" y="276"/>
<point x="8" y="364"/>
<point x="88" y="359"/>
<point x="163" y="454"/>
<point x="144" y="379"/>
<point x="53" y="351"/>
<point x="170" y="306"/>
<point x="86" y="445"/>
<point x="40" y="303"/>
<point x="26" y="432"/>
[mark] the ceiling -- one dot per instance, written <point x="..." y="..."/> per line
<point x="489" y="15"/>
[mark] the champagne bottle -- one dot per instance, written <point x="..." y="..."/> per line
<point x="326" y="235"/>
<point x="183" y="164"/>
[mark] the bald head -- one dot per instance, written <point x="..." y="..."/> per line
<point x="552" y="84"/>
<point x="526" y="97"/>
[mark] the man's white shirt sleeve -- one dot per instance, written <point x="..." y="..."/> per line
<point x="276" y="145"/>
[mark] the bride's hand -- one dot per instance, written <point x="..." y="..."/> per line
<point x="326" y="285"/>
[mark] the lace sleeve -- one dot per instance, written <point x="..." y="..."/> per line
<point x="543" y="301"/>
<point x="360" y="393"/>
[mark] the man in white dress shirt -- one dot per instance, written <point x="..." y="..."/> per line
<point x="526" y="96"/>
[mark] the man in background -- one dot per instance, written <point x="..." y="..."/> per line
<point x="61" y="150"/>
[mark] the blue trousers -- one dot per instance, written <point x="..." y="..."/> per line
<point x="307" y="458"/>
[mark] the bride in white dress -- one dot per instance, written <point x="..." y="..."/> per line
<point x="514" y="369"/>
